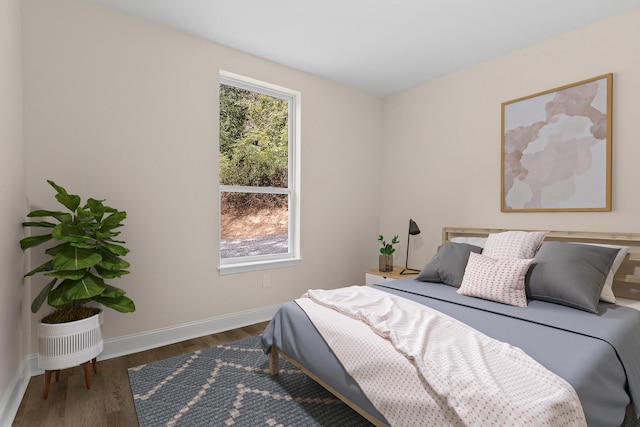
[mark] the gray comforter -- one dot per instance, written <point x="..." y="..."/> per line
<point x="596" y="353"/>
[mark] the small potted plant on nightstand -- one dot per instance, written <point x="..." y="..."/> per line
<point x="385" y="259"/>
<point x="84" y="254"/>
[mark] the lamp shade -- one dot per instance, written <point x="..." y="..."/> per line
<point x="413" y="228"/>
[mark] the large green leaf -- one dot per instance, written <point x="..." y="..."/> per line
<point x="70" y="232"/>
<point x="41" y="213"/>
<point x="107" y="235"/>
<point x="96" y="207"/>
<point x="45" y="224"/>
<point x="112" y="262"/>
<point x="31" y="241"/>
<point x="67" y="274"/>
<point x="70" y="201"/>
<point x="71" y="258"/>
<point x="42" y="296"/>
<point x="85" y="216"/>
<point x="55" y="249"/>
<point x="73" y="290"/>
<point x="115" y="249"/>
<point x="47" y="266"/>
<point x="110" y="274"/>
<point x="113" y="221"/>
<point x="85" y="245"/>
<point x="122" y="304"/>
<point x="112" y="292"/>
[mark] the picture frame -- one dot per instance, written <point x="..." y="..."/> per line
<point x="556" y="149"/>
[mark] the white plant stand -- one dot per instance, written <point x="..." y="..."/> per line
<point x="64" y="345"/>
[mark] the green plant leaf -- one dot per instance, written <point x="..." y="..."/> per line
<point x="70" y="232"/>
<point x="70" y="274"/>
<point x="84" y="216"/>
<point x="71" y="258"/>
<point x="387" y="248"/>
<point x="112" y="262"/>
<point x="113" y="221"/>
<point x="115" y="249"/>
<point x="70" y="201"/>
<point x="96" y="207"/>
<point x="42" y="296"/>
<point x="83" y="245"/>
<point x="110" y="274"/>
<point x="55" y="249"/>
<point x="47" y="266"/>
<point x="107" y="235"/>
<point x="60" y="216"/>
<point x="44" y="224"/>
<point x="31" y="241"/>
<point x="74" y="290"/>
<point x="122" y="304"/>
<point x="112" y="292"/>
<point x="57" y="187"/>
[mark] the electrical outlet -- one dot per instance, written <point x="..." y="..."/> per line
<point x="266" y="281"/>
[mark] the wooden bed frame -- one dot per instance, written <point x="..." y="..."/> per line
<point x="626" y="287"/>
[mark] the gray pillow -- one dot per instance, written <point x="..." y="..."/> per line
<point x="448" y="264"/>
<point x="569" y="274"/>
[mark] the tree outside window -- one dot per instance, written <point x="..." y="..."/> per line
<point x="256" y="191"/>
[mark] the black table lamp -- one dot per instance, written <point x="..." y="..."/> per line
<point x="413" y="230"/>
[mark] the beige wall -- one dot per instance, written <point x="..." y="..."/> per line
<point x="12" y="196"/>
<point x="442" y="138"/>
<point x="125" y="109"/>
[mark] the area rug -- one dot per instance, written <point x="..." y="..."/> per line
<point x="230" y="385"/>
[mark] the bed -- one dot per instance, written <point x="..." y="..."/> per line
<point x="593" y="348"/>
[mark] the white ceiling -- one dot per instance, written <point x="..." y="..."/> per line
<point x="379" y="46"/>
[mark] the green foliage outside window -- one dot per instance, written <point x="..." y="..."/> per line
<point x="254" y="141"/>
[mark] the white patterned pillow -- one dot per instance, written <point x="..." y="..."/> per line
<point x="513" y="244"/>
<point x="500" y="280"/>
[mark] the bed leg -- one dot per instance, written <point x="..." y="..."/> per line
<point x="274" y="361"/>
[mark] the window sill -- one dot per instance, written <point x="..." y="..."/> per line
<point x="257" y="266"/>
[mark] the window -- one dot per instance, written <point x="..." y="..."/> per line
<point x="258" y="166"/>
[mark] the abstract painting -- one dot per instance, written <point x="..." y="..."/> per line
<point x="556" y="149"/>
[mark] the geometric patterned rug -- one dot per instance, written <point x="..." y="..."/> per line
<point x="230" y="385"/>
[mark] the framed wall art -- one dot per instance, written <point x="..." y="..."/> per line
<point x="556" y="149"/>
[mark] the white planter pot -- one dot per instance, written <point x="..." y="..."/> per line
<point x="64" y="345"/>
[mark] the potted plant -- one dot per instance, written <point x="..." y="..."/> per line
<point x="385" y="259"/>
<point x="85" y="253"/>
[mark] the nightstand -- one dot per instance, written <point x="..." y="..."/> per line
<point x="375" y="276"/>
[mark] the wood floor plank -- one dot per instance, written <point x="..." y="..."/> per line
<point x="109" y="402"/>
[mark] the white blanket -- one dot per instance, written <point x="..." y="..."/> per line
<point x="421" y="367"/>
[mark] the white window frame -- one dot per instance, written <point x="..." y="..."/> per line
<point x="292" y="257"/>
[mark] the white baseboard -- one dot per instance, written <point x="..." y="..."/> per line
<point x="120" y="346"/>
<point x="13" y="395"/>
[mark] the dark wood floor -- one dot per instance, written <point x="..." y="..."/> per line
<point x="109" y="402"/>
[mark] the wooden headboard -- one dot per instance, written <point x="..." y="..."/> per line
<point x="627" y="280"/>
